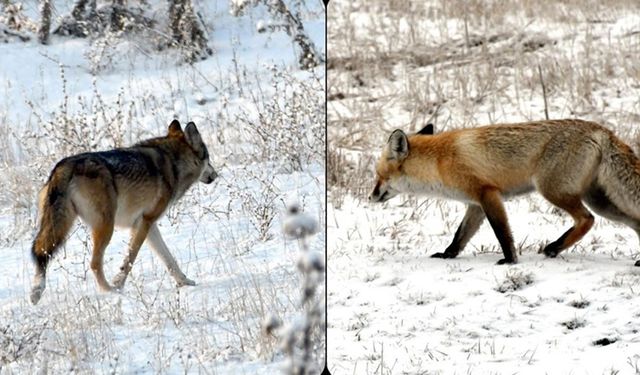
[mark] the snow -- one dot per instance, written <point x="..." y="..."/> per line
<point x="152" y="326"/>
<point x="395" y="310"/>
<point x="388" y="298"/>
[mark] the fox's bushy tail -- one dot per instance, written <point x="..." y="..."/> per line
<point x="56" y="216"/>
<point x="619" y="175"/>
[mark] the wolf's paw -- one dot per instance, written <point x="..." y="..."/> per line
<point x="186" y="281"/>
<point x="36" y="293"/>
<point x="507" y="261"/>
<point x="118" y="281"/>
<point x="444" y="255"/>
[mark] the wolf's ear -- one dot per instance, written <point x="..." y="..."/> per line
<point x="427" y="130"/>
<point x="175" y="129"/>
<point x="193" y="135"/>
<point x="398" y="145"/>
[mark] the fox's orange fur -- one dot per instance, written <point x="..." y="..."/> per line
<point x="570" y="162"/>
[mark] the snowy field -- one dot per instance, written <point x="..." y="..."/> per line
<point x="263" y="120"/>
<point x="392" y="308"/>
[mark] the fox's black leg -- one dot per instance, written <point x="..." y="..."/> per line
<point x="468" y="227"/>
<point x="583" y="221"/>
<point x="494" y="210"/>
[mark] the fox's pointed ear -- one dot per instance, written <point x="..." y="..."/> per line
<point x="427" y="130"/>
<point x="175" y="129"/>
<point x="398" y="145"/>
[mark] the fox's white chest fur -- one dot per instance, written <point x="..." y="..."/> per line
<point x="410" y="185"/>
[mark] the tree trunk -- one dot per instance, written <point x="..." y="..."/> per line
<point x="45" y="21"/>
<point x="176" y="10"/>
<point x="187" y="29"/>
<point x="118" y="15"/>
<point x="78" y="10"/>
<point x="309" y="57"/>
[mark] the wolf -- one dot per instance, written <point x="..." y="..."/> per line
<point x="125" y="187"/>
<point x="572" y="163"/>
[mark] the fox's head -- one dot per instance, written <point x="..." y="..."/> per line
<point x="389" y="167"/>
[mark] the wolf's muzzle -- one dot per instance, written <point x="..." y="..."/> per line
<point x="210" y="177"/>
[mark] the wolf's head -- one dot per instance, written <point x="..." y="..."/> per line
<point x="389" y="167"/>
<point x="194" y="140"/>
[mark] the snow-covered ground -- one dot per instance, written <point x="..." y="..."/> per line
<point x="392" y="308"/>
<point x="263" y="121"/>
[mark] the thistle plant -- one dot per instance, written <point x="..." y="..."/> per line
<point x="303" y="338"/>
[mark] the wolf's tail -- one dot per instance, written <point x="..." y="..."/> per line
<point x="56" y="215"/>
<point x="619" y="175"/>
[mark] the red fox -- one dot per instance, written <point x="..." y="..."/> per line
<point x="570" y="162"/>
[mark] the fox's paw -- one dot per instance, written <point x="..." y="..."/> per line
<point x="507" y="261"/>
<point x="637" y="263"/>
<point x="550" y="251"/>
<point x="186" y="281"/>
<point x="444" y="255"/>
<point x="36" y="293"/>
<point x="553" y="249"/>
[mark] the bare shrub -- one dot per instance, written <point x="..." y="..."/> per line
<point x="90" y="124"/>
<point x="87" y="19"/>
<point x="290" y="22"/>
<point x="574" y="323"/>
<point x="290" y="121"/>
<point x="20" y="342"/>
<point x="258" y="202"/>
<point x="515" y="279"/>
<point x="580" y="303"/>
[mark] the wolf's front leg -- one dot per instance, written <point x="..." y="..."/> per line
<point x="138" y="235"/>
<point x="162" y="251"/>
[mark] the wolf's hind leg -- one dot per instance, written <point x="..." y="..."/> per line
<point x="162" y="251"/>
<point x="471" y="222"/>
<point x="138" y="235"/>
<point x="101" y="235"/>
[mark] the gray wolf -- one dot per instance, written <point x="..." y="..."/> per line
<point x="572" y="163"/>
<point x="126" y="187"/>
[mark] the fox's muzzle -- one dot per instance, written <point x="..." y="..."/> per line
<point x="380" y="194"/>
<point x="375" y="194"/>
